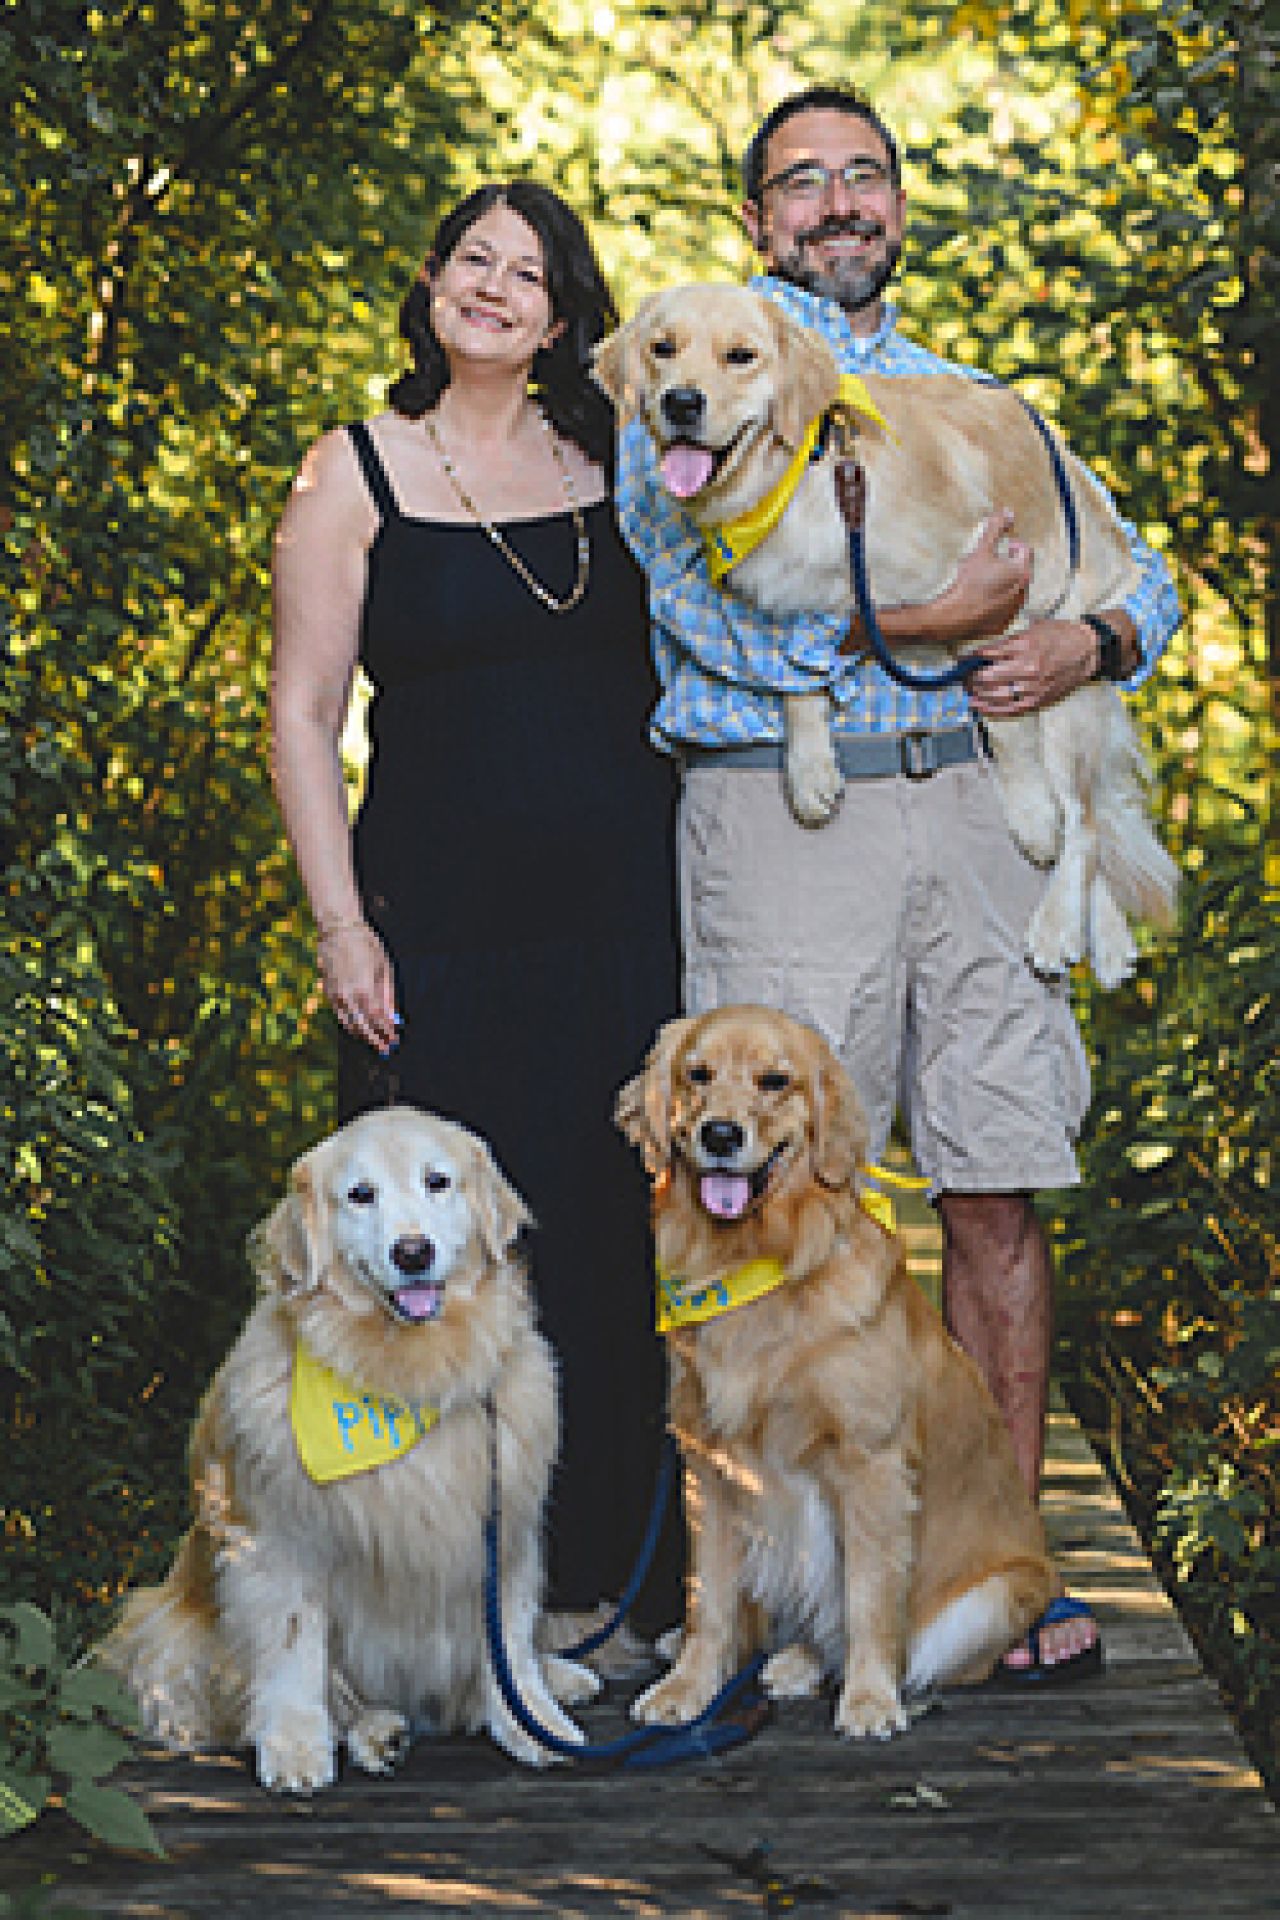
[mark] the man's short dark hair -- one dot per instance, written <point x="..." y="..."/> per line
<point x="812" y="100"/>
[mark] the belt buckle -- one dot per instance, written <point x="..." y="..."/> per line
<point x="919" y="755"/>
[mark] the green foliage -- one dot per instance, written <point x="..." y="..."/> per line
<point x="194" y="204"/>
<point x="61" y="1732"/>
<point x="207" y="217"/>
<point x="1171" y="1255"/>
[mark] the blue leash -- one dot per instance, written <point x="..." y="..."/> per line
<point x="961" y="669"/>
<point x="697" y="1739"/>
<point x="644" y="1559"/>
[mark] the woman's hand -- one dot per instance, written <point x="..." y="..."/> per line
<point x="356" y="974"/>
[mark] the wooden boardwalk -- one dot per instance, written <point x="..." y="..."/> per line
<point x="1120" y="1796"/>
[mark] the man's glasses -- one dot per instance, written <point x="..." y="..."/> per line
<point x="810" y="180"/>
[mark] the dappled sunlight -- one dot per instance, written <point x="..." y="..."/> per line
<point x="1213" y="1773"/>
<point x="481" y="1895"/>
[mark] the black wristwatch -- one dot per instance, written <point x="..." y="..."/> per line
<point x="1110" y="648"/>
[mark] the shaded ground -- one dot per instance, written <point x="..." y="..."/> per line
<point x="1125" y="1795"/>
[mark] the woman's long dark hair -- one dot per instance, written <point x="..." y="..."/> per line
<point x="573" y="403"/>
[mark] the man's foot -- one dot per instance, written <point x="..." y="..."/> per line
<point x="1063" y="1644"/>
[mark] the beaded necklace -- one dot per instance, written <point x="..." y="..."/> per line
<point x="512" y="558"/>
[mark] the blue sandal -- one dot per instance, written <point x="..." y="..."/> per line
<point x="1038" y="1674"/>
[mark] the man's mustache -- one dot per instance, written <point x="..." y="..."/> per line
<point x="838" y="225"/>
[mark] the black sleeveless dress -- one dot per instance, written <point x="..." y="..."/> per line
<point x="515" y="851"/>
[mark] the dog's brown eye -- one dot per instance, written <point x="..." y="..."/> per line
<point x="699" y="1076"/>
<point x="362" y="1194"/>
<point x="774" y="1081"/>
<point x="663" y="349"/>
<point x="438" y="1182"/>
<point x="740" y="356"/>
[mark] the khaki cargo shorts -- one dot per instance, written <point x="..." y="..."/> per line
<point x="897" y="931"/>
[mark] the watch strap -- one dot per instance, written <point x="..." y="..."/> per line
<point x="1110" y="648"/>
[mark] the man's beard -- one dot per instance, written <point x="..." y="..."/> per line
<point x="854" y="284"/>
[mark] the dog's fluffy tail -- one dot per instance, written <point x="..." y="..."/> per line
<point x="1142" y="877"/>
<point x="166" y="1649"/>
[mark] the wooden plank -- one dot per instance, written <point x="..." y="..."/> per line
<point x="1128" y="1795"/>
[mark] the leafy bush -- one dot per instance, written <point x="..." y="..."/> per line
<point x="60" y="1729"/>
<point x="1171" y="1258"/>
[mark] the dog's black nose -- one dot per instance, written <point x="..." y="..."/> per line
<point x="721" y="1137"/>
<point x="682" y="407"/>
<point x="412" y="1253"/>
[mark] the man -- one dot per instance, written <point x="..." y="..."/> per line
<point x="897" y="929"/>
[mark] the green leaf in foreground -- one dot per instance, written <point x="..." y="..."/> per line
<point x="109" y="1814"/>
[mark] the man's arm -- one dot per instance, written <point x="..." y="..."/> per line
<point x="1051" y="658"/>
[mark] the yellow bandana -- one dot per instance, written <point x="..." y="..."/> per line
<point x="689" y="1306"/>
<point x="725" y="545"/>
<point x="340" y="1430"/>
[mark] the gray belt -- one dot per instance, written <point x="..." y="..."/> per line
<point x="866" y="756"/>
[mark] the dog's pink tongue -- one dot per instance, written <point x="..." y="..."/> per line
<point x="686" y="470"/>
<point x="725" y="1194"/>
<point x="419" y="1303"/>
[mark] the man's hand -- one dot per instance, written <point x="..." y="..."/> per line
<point x="1041" y="664"/>
<point x="990" y="586"/>
<point x="986" y="595"/>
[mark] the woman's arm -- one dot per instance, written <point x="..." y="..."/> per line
<point x="319" y="578"/>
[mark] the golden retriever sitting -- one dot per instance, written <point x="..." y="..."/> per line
<point x="330" y="1589"/>
<point x="850" y="1486"/>
<point x="727" y="384"/>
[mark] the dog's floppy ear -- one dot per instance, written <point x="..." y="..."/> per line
<point x="642" y="1110"/>
<point x="615" y="364"/>
<point x="839" y="1127"/>
<point x="808" y="376"/>
<point x="285" y="1249"/>
<point x="500" y="1212"/>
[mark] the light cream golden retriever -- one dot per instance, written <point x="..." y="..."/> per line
<point x="850" y="1487"/>
<point x="304" y="1612"/>
<point x="726" y="384"/>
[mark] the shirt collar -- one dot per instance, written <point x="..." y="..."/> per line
<point x="827" y="317"/>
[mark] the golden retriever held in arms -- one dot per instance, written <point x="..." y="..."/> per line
<point x="727" y="385"/>
<point x="850" y="1486"/>
<point x="341" y="1600"/>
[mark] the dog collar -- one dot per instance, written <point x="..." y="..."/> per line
<point x="684" y="1306"/>
<point x="341" y="1430"/>
<point x="732" y="540"/>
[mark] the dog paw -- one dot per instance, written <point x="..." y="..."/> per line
<point x="1111" y="945"/>
<point x="568" y="1681"/>
<point x="538" y="1703"/>
<point x="793" y="1673"/>
<point x="1055" y="938"/>
<point x="814" y="788"/>
<point x="295" y="1754"/>
<point x="675" y="1698"/>
<point x="870" y="1711"/>
<point x="379" y="1740"/>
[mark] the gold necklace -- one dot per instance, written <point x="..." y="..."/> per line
<point x="512" y="558"/>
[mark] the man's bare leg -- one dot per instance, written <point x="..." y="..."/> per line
<point x="997" y="1298"/>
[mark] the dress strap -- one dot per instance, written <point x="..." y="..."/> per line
<point x="374" y="472"/>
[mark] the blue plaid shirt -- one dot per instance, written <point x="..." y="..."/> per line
<point x="724" y="666"/>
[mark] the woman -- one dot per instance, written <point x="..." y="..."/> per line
<point x="497" y="937"/>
